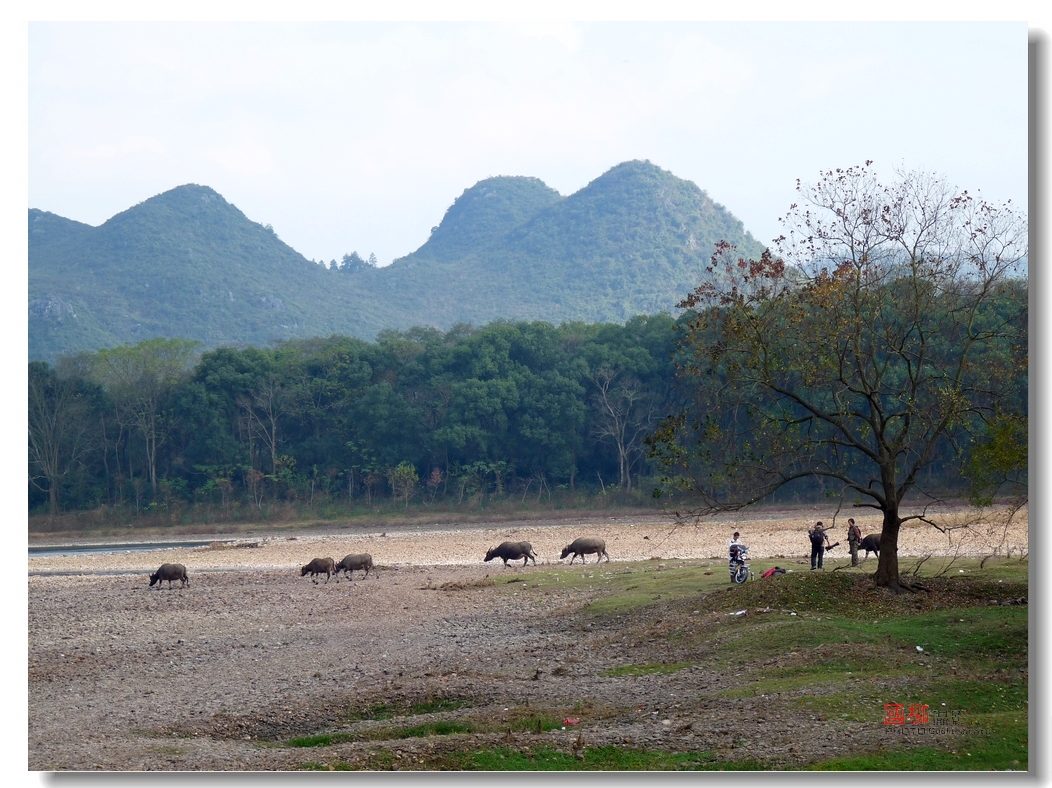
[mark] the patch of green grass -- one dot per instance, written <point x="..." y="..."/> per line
<point x="600" y="759"/>
<point x="1009" y="570"/>
<point x="996" y="632"/>
<point x="835" y="643"/>
<point x="1002" y="744"/>
<point x="992" y="694"/>
<point x="385" y="711"/>
<point x="974" y="662"/>
<point x="755" y="640"/>
<point x="321" y="740"/>
<point x="624" y="586"/>
<point x="654" y="585"/>
<point x="543" y="759"/>
<point x="846" y="672"/>
<point x="436" y="728"/>
<point x="627" y="584"/>
<point x="979" y="700"/>
<point x="516" y="722"/>
<point x="519" y="721"/>
<point x="849" y="649"/>
<point x="439" y="728"/>
<point x="549" y="759"/>
<point x="853" y="595"/>
<point x="848" y="664"/>
<point x="381" y="711"/>
<point x="589" y="759"/>
<point x="538" y="725"/>
<point x="643" y="670"/>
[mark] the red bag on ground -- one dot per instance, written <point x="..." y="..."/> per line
<point x="770" y="572"/>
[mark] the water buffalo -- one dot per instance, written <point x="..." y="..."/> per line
<point x="170" y="572"/>
<point x="513" y="551"/>
<point x="871" y="544"/>
<point x="352" y="562"/>
<point x="585" y="545"/>
<point x="317" y="567"/>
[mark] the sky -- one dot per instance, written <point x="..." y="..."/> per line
<point x="358" y="136"/>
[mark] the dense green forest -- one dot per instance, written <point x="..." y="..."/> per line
<point x="187" y="264"/>
<point x="521" y="413"/>
<point x="421" y="417"/>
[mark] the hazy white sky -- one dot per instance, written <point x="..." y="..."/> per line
<point x="358" y="136"/>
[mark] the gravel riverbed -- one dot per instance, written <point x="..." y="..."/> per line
<point x="219" y="676"/>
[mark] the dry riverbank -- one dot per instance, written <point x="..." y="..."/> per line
<point x="216" y="676"/>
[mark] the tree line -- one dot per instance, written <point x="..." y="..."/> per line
<point x="520" y="411"/>
<point x="509" y="409"/>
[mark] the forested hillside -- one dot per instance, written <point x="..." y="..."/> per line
<point x="624" y="245"/>
<point x="187" y="264"/>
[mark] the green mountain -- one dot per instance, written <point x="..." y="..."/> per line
<point x="633" y="241"/>
<point x="189" y="264"/>
<point x="485" y="214"/>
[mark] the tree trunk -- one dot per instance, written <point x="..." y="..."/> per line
<point x="888" y="563"/>
<point x="272" y="439"/>
<point x="151" y="460"/>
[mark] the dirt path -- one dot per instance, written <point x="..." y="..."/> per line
<point x="216" y="676"/>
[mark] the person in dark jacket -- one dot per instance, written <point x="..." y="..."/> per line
<point x="819" y="541"/>
<point x="854" y="536"/>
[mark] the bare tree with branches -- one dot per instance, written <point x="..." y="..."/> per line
<point x="625" y="415"/>
<point x="889" y="328"/>
<point x="61" y="432"/>
<point x="139" y="379"/>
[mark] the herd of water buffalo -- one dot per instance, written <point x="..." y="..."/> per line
<point x="507" y="551"/>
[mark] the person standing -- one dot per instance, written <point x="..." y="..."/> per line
<point x="819" y="541"/>
<point x="736" y="547"/>
<point x="854" y="536"/>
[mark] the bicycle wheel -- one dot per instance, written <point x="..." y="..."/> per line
<point x="741" y="574"/>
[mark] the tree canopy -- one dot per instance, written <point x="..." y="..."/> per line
<point x="886" y="331"/>
<point x="507" y="409"/>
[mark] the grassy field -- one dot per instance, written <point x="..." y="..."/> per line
<point x="824" y="645"/>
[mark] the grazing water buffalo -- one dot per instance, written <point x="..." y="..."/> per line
<point x="513" y="551"/>
<point x="170" y="572"/>
<point x="585" y="545"/>
<point x="317" y="567"/>
<point x="352" y="562"/>
<point x="871" y="544"/>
